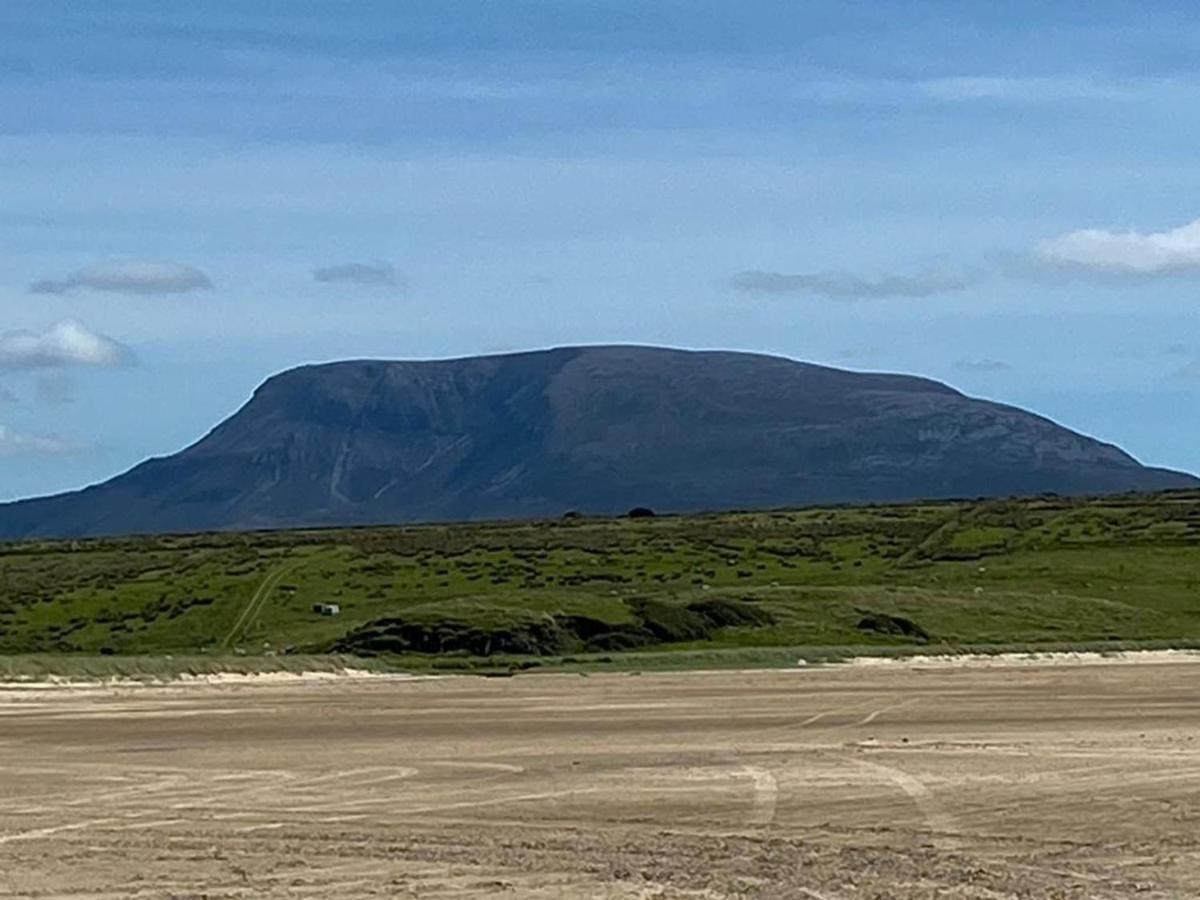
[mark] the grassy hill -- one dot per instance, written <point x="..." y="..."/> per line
<point x="752" y="586"/>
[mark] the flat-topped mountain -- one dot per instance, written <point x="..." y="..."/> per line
<point x="593" y="429"/>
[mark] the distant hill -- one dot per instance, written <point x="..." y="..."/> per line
<point x="594" y="429"/>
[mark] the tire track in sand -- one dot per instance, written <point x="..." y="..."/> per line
<point x="935" y="815"/>
<point x="766" y="794"/>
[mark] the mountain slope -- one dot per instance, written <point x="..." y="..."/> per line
<point x="596" y="429"/>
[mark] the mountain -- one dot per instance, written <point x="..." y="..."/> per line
<point x="594" y="429"/>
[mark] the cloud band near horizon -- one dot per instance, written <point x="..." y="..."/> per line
<point x="375" y="274"/>
<point x="846" y="286"/>
<point x="129" y="277"/>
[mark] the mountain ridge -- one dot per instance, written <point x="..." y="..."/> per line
<point x="594" y="428"/>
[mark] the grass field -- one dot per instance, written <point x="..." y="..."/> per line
<point x="755" y="588"/>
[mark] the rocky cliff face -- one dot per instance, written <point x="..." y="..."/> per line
<point x="595" y="429"/>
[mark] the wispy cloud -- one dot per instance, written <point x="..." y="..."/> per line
<point x="129" y="277"/>
<point x="864" y="351"/>
<point x="982" y="365"/>
<point x="376" y="274"/>
<point x="21" y="443"/>
<point x="62" y="345"/>
<point x="1190" y="372"/>
<point x="1020" y="89"/>
<point x="846" y="286"/>
<point x="54" y="389"/>
<point x="1104" y="253"/>
<point x="964" y="90"/>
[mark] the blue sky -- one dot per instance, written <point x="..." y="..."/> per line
<point x="194" y="196"/>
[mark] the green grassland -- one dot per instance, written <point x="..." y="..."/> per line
<point x="736" y="588"/>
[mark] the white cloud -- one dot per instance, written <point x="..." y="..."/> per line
<point x="845" y="286"/>
<point x="377" y="274"/>
<point x="64" y="344"/>
<point x="1124" y="253"/>
<point x="20" y="443"/>
<point x="129" y="277"/>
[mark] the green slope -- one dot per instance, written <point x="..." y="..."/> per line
<point x="1045" y="571"/>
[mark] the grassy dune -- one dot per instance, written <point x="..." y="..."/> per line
<point x="730" y="588"/>
<point x="38" y="667"/>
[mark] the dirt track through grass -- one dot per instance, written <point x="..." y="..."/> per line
<point x="254" y="605"/>
<point x="991" y="783"/>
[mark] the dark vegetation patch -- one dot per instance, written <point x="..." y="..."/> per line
<point x="885" y="623"/>
<point x="653" y="623"/>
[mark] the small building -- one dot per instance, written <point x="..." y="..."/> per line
<point x="327" y="609"/>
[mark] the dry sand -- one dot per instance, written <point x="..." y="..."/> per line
<point x="888" y="781"/>
<point x="1064" y="658"/>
